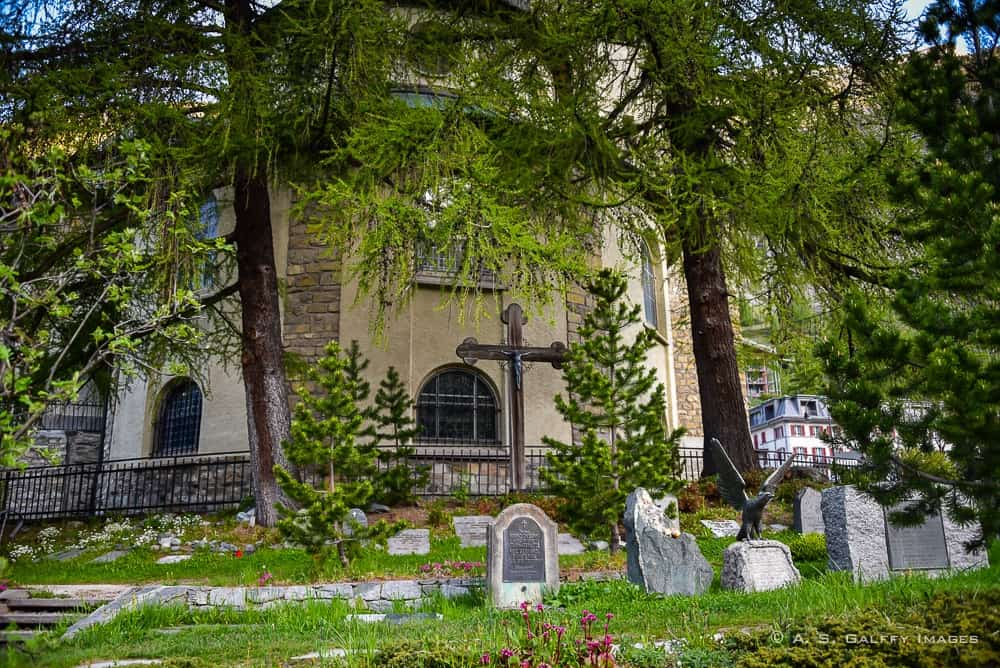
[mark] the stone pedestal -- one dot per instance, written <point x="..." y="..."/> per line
<point x="660" y="558"/>
<point x="758" y="565"/>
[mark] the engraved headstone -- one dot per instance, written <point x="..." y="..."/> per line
<point x="861" y="539"/>
<point x="722" y="528"/>
<point x="807" y="511"/>
<point x="410" y="541"/>
<point x="472" y="529"/>
<point x="758" y="565"/>
<point x="660" y="558"/>
<point x="521" y="556"/>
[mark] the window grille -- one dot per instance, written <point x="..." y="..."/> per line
<point x="180" y="421"/>
<point x="457" y="405"/>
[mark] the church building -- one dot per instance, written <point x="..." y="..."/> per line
<point x="459" y="405"/>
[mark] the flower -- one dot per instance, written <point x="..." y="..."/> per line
<point x="238" y="554"/>
<point x="485" y="659"/>
<point x="506" y="653"/>
<point x="264" y="577"/>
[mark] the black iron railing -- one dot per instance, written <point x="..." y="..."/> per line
<point x="127" y="486"/>
<point x="199" y="483"/>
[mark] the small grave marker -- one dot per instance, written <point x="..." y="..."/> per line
<point x="758" y="565"/>
<point x="521" y="556"/>
<point x="410" y="541"/>
<point x="472" y="529"/>
<point x="722" y="528"/>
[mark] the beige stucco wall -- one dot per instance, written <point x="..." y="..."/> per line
<point x="421" y="338"/>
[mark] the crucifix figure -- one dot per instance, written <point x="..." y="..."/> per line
<point x="515" y="353"/>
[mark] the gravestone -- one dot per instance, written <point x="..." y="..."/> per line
<point x="357" y="516"/>
<point x="659" y="557"/>
<point x="861" y="538"/>
<point x="472" y="529"/>
<point x="569" y="544"/>
<point x="808" y="512"/>
<point x="722" y="528"/>
<point x="671" y="510"/>
<point x="410" y="541"/>
<point x="521" y="556"/>
<point x="758" y="565"/>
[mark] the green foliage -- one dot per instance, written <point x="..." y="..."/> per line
<point x="92" y="268"/>
<point x="927" y="373"/>
<point x="326" y="428"/>
<point x="395" y="427"/>
<point x="806" y="547"/>
<point x="424" y="654"/>
<point x="615" y="401"/>
<point x="919" y="638"/>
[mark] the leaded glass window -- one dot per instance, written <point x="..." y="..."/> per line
<point x="457" y="405"/>
<point x="179" y="426"/>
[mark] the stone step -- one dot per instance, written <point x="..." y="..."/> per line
<point x="19" y="635"/>
<point x="53" y="604"/>
<point x="35" y="618"/>
<point x="11" y="594"/>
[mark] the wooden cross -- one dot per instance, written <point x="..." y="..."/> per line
<point x="516" y="354"/>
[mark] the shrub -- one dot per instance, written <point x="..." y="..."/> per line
<point x="807" y="547"/>
<point x="423" y="654"/>
<point x="908" y="639"/>
<point x="690" y="499"/>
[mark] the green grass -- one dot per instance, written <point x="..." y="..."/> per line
<point x="269" y="637"/>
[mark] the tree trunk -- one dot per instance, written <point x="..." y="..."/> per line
<point x="268" y="415"/>
<point x="723" y="413"/>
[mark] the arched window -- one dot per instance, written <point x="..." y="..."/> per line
<point x="179" y="423"/>
<point x="459" y="405"/>
<point x="648" y="287"/>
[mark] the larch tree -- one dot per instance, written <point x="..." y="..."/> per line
<point x="918" y="385"/>
<point x="231" y="93"/>
<point x="744" y="136"/>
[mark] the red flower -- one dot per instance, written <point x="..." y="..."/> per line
<point x="239" y="554"/>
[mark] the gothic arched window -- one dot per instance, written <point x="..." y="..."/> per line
<point x="457" y="405"/>
<point x="179" y="423"/>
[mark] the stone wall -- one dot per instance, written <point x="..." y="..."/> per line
<point x="685" y="370"/>
<point x="312" y="300"/>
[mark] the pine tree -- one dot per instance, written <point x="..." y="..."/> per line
<point x="395" y="427"/>
<point x="326" y="427"/>
<point x="616" y="403"/>
<point x="927" y="371"/>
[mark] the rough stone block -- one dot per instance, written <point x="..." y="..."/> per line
<point x="660" y="558"/>
<point x="758" y="565"/>
<point x="807" y="510"/>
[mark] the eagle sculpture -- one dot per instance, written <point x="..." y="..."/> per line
<point x="734" y="490"/>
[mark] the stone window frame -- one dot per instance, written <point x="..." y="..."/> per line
<point x="480" y="379"/>
<point x="171" y="391"/>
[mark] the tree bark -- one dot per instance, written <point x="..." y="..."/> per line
<point x="268" y="414"/>
<point x="723" y="413"/>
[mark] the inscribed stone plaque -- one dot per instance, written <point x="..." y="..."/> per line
<point x="523" y="552"/>
<point x="758" y="565"/>
<point x="919" y="547"/>
<point x="410" y="541"/>
<point x="471" y="529"/>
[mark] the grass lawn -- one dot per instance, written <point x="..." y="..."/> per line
<point x="470" y="627"/>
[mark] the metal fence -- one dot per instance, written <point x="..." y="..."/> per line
<point x="74" y="417"/>
<point x="126" y="486"/>
<point x="199" y="483"/>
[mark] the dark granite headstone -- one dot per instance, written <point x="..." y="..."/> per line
<point x="920" y="547"/>
<point x="523" y="552"/>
